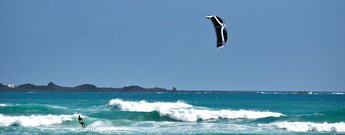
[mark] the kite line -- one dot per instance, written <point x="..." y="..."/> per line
<point x="160" y="57"/>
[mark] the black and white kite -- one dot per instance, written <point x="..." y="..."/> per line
<point x="221" y="30"/>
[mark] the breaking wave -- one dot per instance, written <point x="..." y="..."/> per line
<point x="186" y="112"/>
<point x="309" y="126"/>
<point x="34" y="120"/>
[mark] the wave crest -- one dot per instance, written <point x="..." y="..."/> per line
<point x="143" y="106"/>
<point x="186" y="112"/>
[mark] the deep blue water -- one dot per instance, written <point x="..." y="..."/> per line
<point x="172" y="113"/>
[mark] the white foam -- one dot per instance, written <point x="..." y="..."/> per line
<point x="98" y="124"/>
<point x="56" y="107"/>
<point x="34" y="120"/>
<point x="309" y="126"/>
<point x="44" y="105"/>
<point x="49" y="106"/>
<point x="261" y="92"/>
<point x="166" y="127"/>
<point x="105" y="127"/>
<point x="185" y="112"/>
<point x="143" y="106"/>
<point x="3" y="105"/>
<point x="338" y="93"/>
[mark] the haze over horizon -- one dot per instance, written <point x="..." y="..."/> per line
<point x="273" y="45"/>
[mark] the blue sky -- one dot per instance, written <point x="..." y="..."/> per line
<point x="273" y="44"/>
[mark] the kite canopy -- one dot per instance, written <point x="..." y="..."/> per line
<point x="221" y="30"/>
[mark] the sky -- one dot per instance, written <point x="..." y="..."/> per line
<point x="273" y="44"/>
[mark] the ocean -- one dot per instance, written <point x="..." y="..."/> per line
<point x="172" y="113"/>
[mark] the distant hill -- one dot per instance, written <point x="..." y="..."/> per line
<point x="51" y="87"/>
<point x="2" y="86"/>
<point x="86" y="87"/>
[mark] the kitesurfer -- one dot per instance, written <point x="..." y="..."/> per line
<point x="81" y="122"/>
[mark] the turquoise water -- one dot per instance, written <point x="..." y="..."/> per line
<point x="172" y="113"/>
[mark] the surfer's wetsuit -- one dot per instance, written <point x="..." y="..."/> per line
<point x="81" y="122"/>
